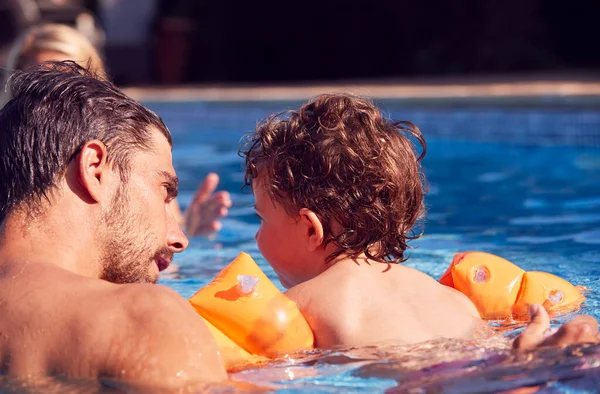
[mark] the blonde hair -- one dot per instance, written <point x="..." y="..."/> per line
<point x="53" y="37"/>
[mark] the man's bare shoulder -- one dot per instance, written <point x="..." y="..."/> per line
<point x="93" y="328"/>
<point x="144" y="300"/>
<point x="157" y="337"/>
<point x="140" y="334"/>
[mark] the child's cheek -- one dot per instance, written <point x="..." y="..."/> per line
<point x="259" y="239"/>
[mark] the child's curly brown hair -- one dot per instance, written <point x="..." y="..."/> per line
<point x="338" y="157"/>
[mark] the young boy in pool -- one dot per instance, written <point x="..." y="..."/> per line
<point x="339" y="189"/>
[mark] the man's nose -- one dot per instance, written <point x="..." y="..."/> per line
<point x="176" y="239"/>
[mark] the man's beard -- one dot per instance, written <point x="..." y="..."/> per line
<point x="128" y="251"/>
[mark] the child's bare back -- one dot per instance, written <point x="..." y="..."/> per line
<point x="358" y="302"/>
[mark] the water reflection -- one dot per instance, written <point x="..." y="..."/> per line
<point x="440" y="366"/>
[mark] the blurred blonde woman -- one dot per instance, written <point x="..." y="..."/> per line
<point x="56" y="42"/>
<point x="53" y="42"/>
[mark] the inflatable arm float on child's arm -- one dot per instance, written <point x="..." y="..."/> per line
<point x="249" y="317"/>
<point x="501" y="290"/>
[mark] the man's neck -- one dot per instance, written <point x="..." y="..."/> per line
<point x="50" y="238"/>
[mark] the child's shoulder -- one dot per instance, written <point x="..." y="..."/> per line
<point x="329" y="303"/>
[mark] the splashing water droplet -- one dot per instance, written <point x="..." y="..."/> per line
<point x="482" y="274"/>
<point x="246" y="284"/>
<point x="555" y="296"/>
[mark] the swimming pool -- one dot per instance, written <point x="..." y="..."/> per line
<point x="520" y="183"/>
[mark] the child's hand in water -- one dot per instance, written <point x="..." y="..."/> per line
<point x="582" y="329"/>
<point x="203" y="214"/>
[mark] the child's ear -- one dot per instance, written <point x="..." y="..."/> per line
<point x="312" y="228"/>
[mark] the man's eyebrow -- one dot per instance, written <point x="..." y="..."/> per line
<point x="172" y="183"/>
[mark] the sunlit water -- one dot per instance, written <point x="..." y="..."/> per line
<point x="522" y="184"/>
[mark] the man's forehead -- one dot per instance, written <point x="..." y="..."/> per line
<point x="159" y="140"/>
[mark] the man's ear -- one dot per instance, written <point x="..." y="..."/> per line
<point x="93" y="170"/>
<point x="312" y="228"/>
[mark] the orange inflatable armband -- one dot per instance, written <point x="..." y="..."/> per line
<point x="499" y="289"/>
<point x="231" y="353"/>
<point x="248" y="311"/>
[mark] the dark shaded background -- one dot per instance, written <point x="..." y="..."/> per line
<point x="341" y="39"/>
<point x="195" y="41"/>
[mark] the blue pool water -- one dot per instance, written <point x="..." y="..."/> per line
<point x="520" y="183"/>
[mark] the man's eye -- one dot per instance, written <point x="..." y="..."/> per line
<point x="169" y="193"/>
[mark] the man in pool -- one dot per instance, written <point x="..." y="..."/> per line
<point x="339" y="189"/>
<point x="85" y="228"/>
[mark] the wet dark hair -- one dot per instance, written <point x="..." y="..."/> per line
<point x="55" y="109"/>
<point x="338" y="157"/>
